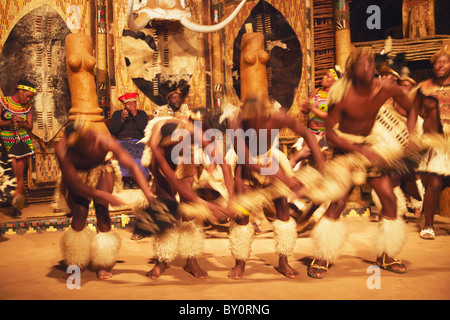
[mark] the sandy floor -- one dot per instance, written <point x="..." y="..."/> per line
<point x="30" y="268"/>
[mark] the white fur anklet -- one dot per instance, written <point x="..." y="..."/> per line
<point x="391" y="237"/>
<point x="76" y="247"/>
<point x="241" y="239"/>
<point x="191" y="239"/>
<point x="165" y="244"/>
<point x="105" y="250"/>
<point x="285" y="234"/>
<point x="329" y="238"/>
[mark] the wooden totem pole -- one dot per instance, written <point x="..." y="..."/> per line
<point x="80" y="64"/>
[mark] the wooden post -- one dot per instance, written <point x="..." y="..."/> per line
<point x="342" y="31"/>
<point x="217" y="57"/>
<point x="102" y="72"/>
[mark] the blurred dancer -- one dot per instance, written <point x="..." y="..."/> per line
<point x="258" y="169"/>
<point x="353" y="105"/>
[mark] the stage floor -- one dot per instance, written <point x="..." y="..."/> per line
<point x="30" y="268"/>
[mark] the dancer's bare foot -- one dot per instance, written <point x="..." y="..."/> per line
<point x="285" y="269"/>
<point x="157" y="270"/>
<point x="238" y="271"/>
<point x="193" y="268"/>
<point x="103" y="274"/>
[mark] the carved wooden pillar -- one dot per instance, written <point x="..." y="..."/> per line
<point x="80" y="64"/>
<point x="254" y="82"/>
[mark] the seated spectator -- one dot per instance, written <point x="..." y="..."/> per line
<point x="128" y="127"/>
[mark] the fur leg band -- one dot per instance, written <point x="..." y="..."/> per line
<point x="165" y="244"/>
<point x="76" y="247"/>
<point x="105" y="250"/>
<point x="329" y="238"/>
<point x="241" y="239"/>
<point x="285" y="234"/>
<point x="391" y="237"/>
<point x="191" y="239"/>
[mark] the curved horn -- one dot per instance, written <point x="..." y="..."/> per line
<point x="140" y="22"/>
<point x="211" y="28"/>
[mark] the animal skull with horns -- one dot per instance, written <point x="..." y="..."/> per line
<point x="148" y="10"/>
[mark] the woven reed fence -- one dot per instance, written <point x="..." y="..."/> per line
<point x="414" y="49"/>
<point x="324" y="38"/>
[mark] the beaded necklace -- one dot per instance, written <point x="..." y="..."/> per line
<point x="12" y="106"/>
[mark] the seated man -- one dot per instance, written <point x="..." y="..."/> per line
<point x="128" y="126"/>
<point x="174" y="107"/>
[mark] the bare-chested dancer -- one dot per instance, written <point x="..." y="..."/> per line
<point x="354" y="106"/>
<point x="256" y="118"/>
<point x="186" y="238"/>
<point x="89" y="173"/>
<point x="432" y="101"/>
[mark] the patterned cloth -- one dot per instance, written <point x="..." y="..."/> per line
<point x="7" y="179"/>
<point x="16" y="140"/>
<point x="135" y="149"/>
<point x="320" y="102"/>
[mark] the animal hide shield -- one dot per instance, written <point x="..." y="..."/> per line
<point x="34" y="50"/>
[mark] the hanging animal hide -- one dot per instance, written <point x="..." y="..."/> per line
<point x="160" y="59"/>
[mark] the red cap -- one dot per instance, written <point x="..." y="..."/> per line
<point x="128" y="97"/>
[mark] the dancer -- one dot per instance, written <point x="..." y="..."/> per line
<point x="16" y="121"/>
<point x="407" y="185"/>
<point x="432" y="99"/>
<point x="259" y="168"/>
<point x="354" y="103"/>
<point x="186" y="237"/>
<point x="411" y="183"/>
<point x="316" y="109"/>
<point x="84" y="155"/>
